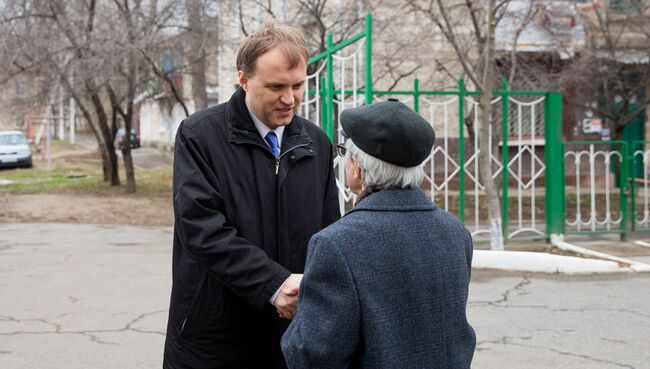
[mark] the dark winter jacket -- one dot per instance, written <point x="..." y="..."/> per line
<point x="242" y="224"/>
<point x="385" y="288"/>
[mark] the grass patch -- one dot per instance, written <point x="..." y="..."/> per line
<point x="60" y="178"/>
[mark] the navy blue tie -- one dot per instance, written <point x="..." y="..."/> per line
<point x="272" y="139"/>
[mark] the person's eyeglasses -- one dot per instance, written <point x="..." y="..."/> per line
<point x="341" y="150"/>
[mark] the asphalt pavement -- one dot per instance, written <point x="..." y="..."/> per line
<point x="90" y="296"/>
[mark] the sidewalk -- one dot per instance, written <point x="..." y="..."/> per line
<point x="575" y="255"/>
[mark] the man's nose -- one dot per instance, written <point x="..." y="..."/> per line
<point x="287" y="97"/>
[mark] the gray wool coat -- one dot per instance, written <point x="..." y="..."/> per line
<point x="385" y="287"/>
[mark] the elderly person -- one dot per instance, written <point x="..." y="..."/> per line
<point x="386" y="286"/>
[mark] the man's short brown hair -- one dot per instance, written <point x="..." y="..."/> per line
<point x="271" y="34"/>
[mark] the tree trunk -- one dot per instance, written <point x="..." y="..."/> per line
<point x="129" y="170"/>
<point x="197" y="54"/>
<point x="469" y="126"/>
<point x="485" y="165"/>
<point x="132" y="78"/>
<point x="485" y="160"/>
<point x="110" y="166"/>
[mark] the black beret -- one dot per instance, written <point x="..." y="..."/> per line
<point x="389" y="131"/>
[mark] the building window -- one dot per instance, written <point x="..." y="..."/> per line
<point x="172" y="60"/>
<point x="21" y="88"/>
<point x="625" y="6"/>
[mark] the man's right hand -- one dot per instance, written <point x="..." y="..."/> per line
<point x="287" y="300"/>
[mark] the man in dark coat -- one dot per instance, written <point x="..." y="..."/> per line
<point x="252" y="183"/>
<point x="386" y="286"/>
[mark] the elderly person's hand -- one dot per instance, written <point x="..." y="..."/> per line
<point x="287" y="300"/>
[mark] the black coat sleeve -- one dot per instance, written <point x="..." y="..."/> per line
<point x="331" y="208"/>
<point x="203" y="231"/>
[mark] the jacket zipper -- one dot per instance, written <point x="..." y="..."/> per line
<point x="277" y="194"/>
<point x="277" y="161"/>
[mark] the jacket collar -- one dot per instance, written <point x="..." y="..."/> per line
<point x="400" y="199"/>
<point x="241" y="128"/>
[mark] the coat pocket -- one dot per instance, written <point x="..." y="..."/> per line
<point x="187" y="320"/>
<point x="205" y="314"/>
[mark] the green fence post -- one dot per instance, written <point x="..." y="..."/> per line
<point x="416" y="95"/>
<point x="461" y="149"/>
<point x="324" y="104"/>
<point x="554" y="158"/>
<point x="329" y="124"/>
<point x="368" y="59"/>
<point x="504" y="159"/>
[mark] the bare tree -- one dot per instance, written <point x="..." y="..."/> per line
<point x="102" y="52"/>
<point x="613" y="69"/>
<point x="127" y="68"/>
<point x="78" y="25"/>
<point x="475" y="50"/>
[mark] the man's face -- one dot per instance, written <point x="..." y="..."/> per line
<point x="274" y="91"/>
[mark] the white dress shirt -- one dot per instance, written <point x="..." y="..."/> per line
<point x="263" y="129"/>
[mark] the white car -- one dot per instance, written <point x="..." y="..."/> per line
<point x="14" y="150"/>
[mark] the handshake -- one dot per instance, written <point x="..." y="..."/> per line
<point x="287" y="300"/>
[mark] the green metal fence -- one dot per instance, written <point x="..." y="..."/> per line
<point x="595" y="202"/>
<point x="607" y="187"/>
<point x="526" y="125"/>
<point x="639" y="183"/>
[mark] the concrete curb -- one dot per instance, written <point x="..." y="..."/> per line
<point x="540" y="262"/>
<point x="634" y="266"/>
<point x="642" y="244"/>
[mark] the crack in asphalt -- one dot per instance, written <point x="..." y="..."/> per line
<point x="613" y="340"/>
<point x="87" y="333"/>
<point x="521" y="286"/>
<point x="525" y="281"/>
<point x="557" y="310"/>
<point x="508" y="340"/>
<point x="120" y="244"/>
<point x="554" y="330"/>
<point x="12" y="319"/>
<point x="565" y="353"/>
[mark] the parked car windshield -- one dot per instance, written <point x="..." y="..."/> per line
<point x="13" y="139"/>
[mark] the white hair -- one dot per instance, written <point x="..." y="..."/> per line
<point x="379" y="174"/>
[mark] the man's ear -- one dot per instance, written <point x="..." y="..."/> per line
<point x="357" y="170"/>
<point x="243" y="80"/>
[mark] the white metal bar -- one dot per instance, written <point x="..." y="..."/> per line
<point x="446" y="166"/>
<point x="592" y="177"/>
<point x="578" y="211"/>
<point x="476" y="168"/>
<point x="519" y="166"/>
<point x="607" y="207"/>
<point x="533" y="155"/>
